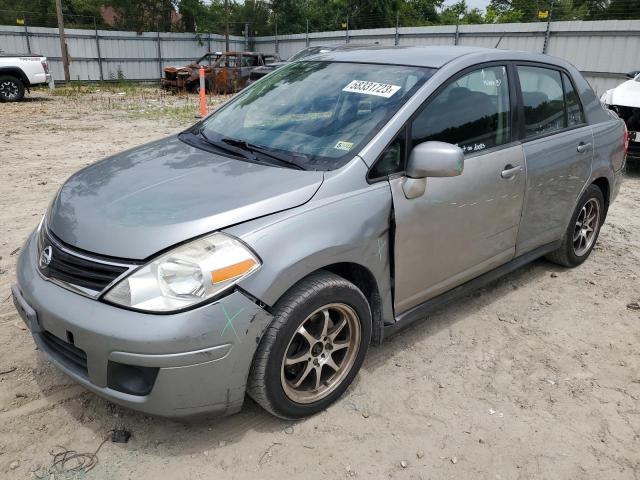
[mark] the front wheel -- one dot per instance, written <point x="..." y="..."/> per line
<point x="583" y="230"/>
<point x="11" y="89"/>
<point x="314" y="347"/>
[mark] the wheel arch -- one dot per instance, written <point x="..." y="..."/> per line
<point x="16" y="72"/>
<point x="603" y="184"/>
<point x="362" y="278"/>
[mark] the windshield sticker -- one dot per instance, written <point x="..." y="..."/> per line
<point x="342" y="145"/>
<point x="371" y="88"/>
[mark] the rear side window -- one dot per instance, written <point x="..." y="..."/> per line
<point x="543" y="100"/>
<point x="472" y="112"/>
<point x="574" y="111"/>
<point x="549" y="99"/>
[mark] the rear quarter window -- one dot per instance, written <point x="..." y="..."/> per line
<point x="574" y="109"/>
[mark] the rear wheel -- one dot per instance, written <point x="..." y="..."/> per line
<point x="11" y="89"/>
<point x="314" y="347"/>
<point x="583" y="230"/>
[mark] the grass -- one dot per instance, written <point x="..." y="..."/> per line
<point x="175" y="113"/>
<point x="77" y="88"/>
<point x="137" y="101"/>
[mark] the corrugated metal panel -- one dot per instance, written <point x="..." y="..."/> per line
<point x="604" y="49"/>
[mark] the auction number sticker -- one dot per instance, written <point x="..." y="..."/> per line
<point x="371" y="88"/>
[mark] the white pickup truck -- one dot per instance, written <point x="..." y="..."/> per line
<point x="20" y="72"/>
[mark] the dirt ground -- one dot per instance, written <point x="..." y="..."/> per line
<point x="536" y="376"/>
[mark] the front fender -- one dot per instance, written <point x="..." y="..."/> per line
<point x="347" y="228"/>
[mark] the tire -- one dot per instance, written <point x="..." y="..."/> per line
<point x="273" y="385"/>
<point x="576" y="244"/>
<point x="11" y="89"/>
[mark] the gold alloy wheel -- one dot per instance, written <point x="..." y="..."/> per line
<point x="321" y="353"/>
<point x="586" y="227"/>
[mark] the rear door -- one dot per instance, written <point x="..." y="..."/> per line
<point x="558" y="149"/>
<point x="461" y="226"/>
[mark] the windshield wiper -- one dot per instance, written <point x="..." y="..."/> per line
<point x="225" y="148"/>
<point x="252" y="147"/>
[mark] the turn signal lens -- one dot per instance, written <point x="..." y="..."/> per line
<point x="232" y="271"/>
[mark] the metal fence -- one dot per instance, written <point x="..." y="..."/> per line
<point x="109" y="55"/>
<point x="603" y="50"/>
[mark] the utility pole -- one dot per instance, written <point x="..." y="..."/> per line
<point x="63" y="41"/>
<point x="226" y="25"/>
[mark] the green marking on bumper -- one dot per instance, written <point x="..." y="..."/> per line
<point x="230" y="321"/>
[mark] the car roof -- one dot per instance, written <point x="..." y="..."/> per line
<point x="424" y="56"/>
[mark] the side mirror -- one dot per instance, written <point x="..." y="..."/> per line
<point x="435" y="159"/>
<point x="431" y="159"/>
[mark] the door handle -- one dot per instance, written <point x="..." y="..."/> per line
<point x="510" y="171"/>
<point x="583" y="147"/>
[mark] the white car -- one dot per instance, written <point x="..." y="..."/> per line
<point x="625" y="101"/>
<point x="20" y="72"/>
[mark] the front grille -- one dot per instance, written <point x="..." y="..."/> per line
<point x="634" y="149"/>
<point x="76" y="269"/>
<point x="65" y="352"/>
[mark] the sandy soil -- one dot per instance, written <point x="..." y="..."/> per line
<point x="537" y="376"/>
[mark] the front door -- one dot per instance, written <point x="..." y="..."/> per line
<point x="461" y="226"/>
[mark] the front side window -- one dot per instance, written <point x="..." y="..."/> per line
<point x="229" y="61"/>
<point x="473" y="112"/>
<point x="317" y="113"/>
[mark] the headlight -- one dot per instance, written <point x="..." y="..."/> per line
<point x="185" y="276"/>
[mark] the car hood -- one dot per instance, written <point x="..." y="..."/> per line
<point x="626" y="95"/>
<point x="144" y="200"/>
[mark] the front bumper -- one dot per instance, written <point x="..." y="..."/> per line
<point x="202" y="357"/>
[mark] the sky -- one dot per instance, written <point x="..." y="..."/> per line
<point x="481" y="4"/>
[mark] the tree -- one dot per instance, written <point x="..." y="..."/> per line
<point x="419" y="12"/>
<point x="42" y="13"/>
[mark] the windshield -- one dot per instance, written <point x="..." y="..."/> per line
<point x="317" y="113"/>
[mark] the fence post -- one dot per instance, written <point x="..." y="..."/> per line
<point x="457" y="36"/>
<point x="397" y="39"/>
<point x="209" y="43"/>
<point x="306" y="38"/>
<point x="276" y="39"/>
<point x="26" y="36"/>
<point x="246" y="36"/>
<point x="347" y="38"/>
<point x="159" y="52"/>
<point x="95" y="25"/>
<point x="547" y="33"/>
